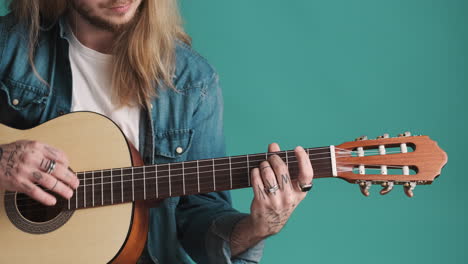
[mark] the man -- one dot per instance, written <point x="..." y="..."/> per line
<point x="131" y="61"/>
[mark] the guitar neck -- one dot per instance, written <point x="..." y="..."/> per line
<point x="122" y="185"/>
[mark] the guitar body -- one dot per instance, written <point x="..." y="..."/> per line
<point x="115" y="234"/>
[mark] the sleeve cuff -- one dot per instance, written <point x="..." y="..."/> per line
<point x="218" y="242"/>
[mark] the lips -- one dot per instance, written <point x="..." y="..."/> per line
<point x="120" y="4"/>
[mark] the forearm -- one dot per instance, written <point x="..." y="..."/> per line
<point x="244" y="236"/>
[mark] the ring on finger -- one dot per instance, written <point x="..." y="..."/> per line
<point x="273" y="189"/>
<point x="305" y="187"/>
<point x="55" y="185"/>
<point x="51" y="167"/>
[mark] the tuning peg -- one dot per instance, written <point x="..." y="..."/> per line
<point x="409" y="187"/>
<point x="383" y="136"/>
<point x="388" y="187"/>
<point x="361" y="138"/>
<point x="365" y="186"/>
<point x="406" y="134"/>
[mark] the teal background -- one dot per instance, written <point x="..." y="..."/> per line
<point x="322" y="72"/>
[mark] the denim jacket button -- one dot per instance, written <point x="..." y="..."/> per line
<point x="179" y="150"/>
<point x="15" y="102"/>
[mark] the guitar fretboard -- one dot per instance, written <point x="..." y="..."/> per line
<point x="122" y="185"/>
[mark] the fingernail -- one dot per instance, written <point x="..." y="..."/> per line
<point x="77" y="183"/>
<point x="69" y="194"/>
<point x="299" y="148"/>
<point x="53" y="201"/>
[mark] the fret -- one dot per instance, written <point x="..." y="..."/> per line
<point x="88" y="190"/>
<point x="287" y="158"/>
<point x="169" y="173"/>
<point x="133" y="187"/>
<point x="156" y="179"/>
<point x="240" y="178"/>
<point x="150" y="179"/>
<point x="177" y="179"/>
<point x="69" y="203"/>
<point x="102" y="188"/>
<point x="127" y="182"/>
<point x="163" y="180"/>
<point x="191" y="181"/>
<point x="76" y="191"/>
<point x="214" y="178"/>
<point x="144" y="183"/>
<point x="117" y="187"/>
<point x="121" y="185"/>
<point x="106" y="187"/>
<point x="97" y="187"/>
<point x="92" y="187"/>
<point x="183" y="175"/>
<point x="205" y="175"/>
<point x="198" y="177"/>
<point x="248" y="169"/>
<point x="138" y="184"/>
<point x="230" y="172"/>
<point x="84" y="189"/>
<point x="112" y="186"/>
<point x="222" y="174"/>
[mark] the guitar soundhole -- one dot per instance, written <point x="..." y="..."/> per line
<point x="35" y="211"/>
<point x="33" y="217"/>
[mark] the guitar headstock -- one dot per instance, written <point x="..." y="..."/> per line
<point x="404" y="160"/>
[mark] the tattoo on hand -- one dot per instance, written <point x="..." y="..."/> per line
<point x="286" y="179"/>
<point x="37" y="175"/>
<point x="11" y="162"/>
<point x="276" y="220"/>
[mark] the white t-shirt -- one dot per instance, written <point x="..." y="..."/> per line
<point x="91" y="73"/>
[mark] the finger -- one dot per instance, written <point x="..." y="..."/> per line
<point x="273" y="147"/>
<point x="306" y="173"/>
<point x="268" y="177"/>
<point x="60" y="171"/>
<point x="52" y="183"/>
<point x="37" y="193"/>
<point x="281" y="171"/>
<point x="257" y="184"/>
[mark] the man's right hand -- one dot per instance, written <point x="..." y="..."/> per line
<point x="24" y="165"/>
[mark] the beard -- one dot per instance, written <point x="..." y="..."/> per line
<point x="87" y="13"/>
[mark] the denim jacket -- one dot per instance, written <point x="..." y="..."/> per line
<point x="182" y="229"/>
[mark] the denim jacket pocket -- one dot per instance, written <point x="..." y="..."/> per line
<point x="172" y="145"/>
<point x="22" y="105"/>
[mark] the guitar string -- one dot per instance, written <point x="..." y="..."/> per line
<point x="173" y="183"/>
<point x="162" y="177"/>
<point x="101" y="179"/>
<point x="175" y="175"/>
<point x="128" y="195"/>
<point x="172" y="164"/>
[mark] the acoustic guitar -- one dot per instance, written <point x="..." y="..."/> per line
<point x="106" y="220"/>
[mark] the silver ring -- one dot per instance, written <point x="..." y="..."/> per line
<point x="55" y="185"/>
<point x="273" y="189"/>
<point x="305" y="187"/>
<point x="51" y="167"/>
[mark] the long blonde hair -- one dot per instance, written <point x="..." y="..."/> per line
<point x="144" y="55"/>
